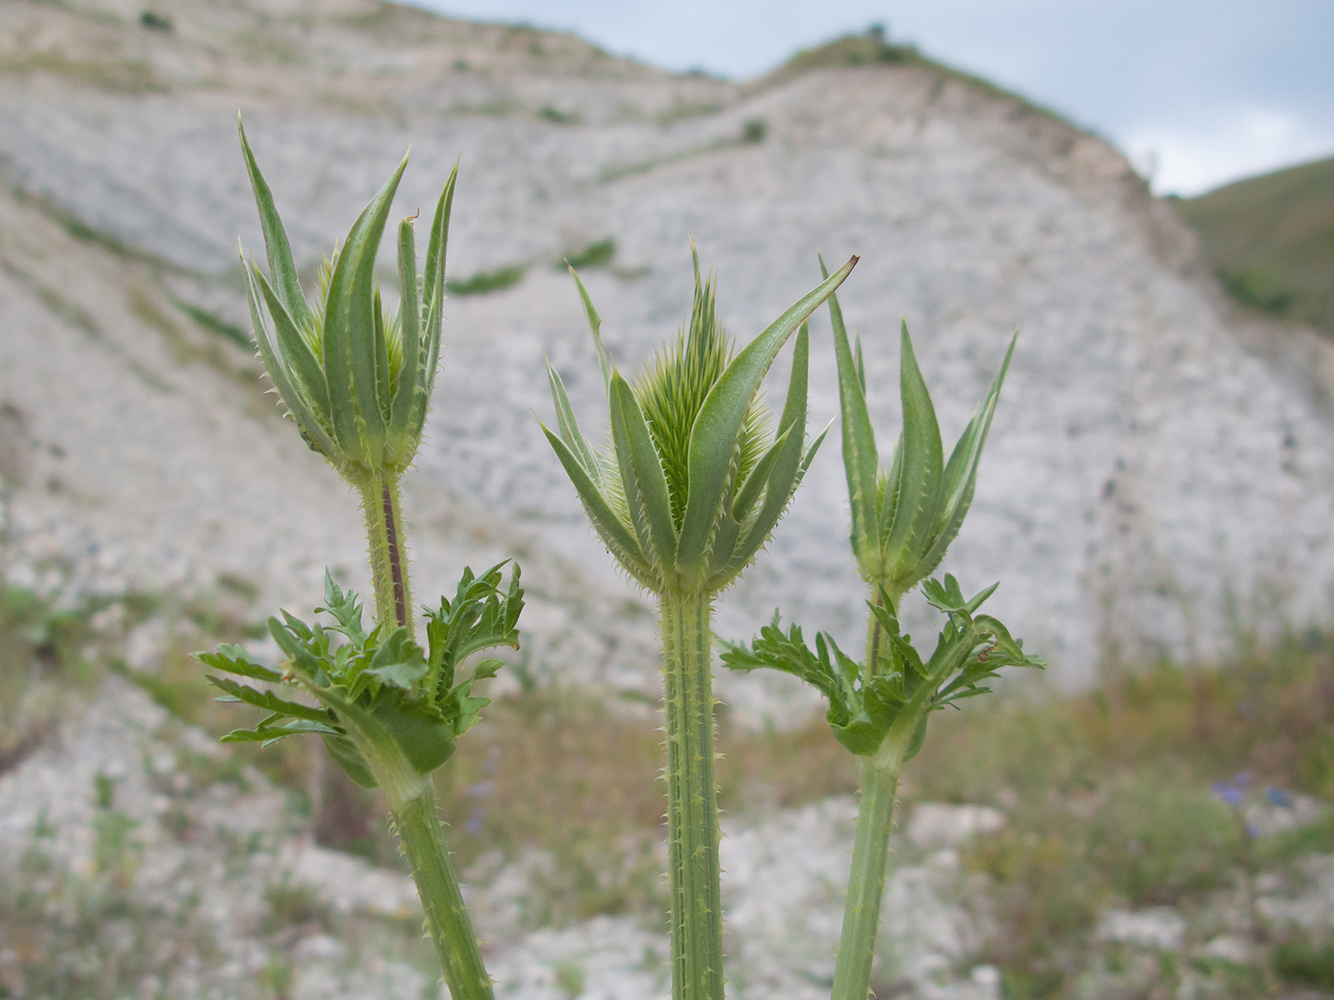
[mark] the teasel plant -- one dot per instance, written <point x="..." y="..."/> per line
<point x="357" y="381"/>
<point x="685" y="496"/>
<point x="904" y="516"/>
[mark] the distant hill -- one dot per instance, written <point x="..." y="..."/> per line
<point x="1271" y="241"/>
<point x="1158" y="481"/>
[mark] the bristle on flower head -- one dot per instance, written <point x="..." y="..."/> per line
<point x="672" y="388"/>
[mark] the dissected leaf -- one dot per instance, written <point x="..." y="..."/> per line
<point x="398" y="661"/>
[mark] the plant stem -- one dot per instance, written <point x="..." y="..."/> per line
<point x="381" y="502"/>
<point x="866" y="883"/>
<point x="411" y="801"/>
<point x="870" y="847"/>
<point x="692" y="800"/>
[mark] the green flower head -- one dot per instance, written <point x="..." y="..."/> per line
<point x="355" y="378"/>
<point x="905" y="516"/>
<point x="694" y="481"/>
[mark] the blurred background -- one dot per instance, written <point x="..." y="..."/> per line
<point x="1145" y="191"/>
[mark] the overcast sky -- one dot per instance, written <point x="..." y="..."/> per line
<point x="1197" y="92"/>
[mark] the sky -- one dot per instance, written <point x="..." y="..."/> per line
<point x="1196" y="92"/>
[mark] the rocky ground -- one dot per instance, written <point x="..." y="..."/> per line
<point x="142" y="859"/>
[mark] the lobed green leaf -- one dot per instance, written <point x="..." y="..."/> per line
<point x="268" y="700"/>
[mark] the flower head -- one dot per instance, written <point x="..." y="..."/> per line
<point x="905" y="516"/>
<point x="356" y="378"/>
<point x="694" y="481"/>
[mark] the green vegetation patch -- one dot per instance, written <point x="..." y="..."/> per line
<point x="1270" y="240"/>
<point x="597" y="254"/>
<point x="213" y="323"/>
<point x="1113" y="796"/>
<point x="487" y="281"/>
<point x="873" y="48"/>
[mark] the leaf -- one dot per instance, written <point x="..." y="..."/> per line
<point x="269" y="352"/>
<point x="860" y="461"/>
<point x="398" y="660"/>
<point x="634" y="447"/>
<point x="961" y="473"/>
<point x="1005" y="644"/>
<point x="919" y="479"/>
<point x="349" y="758"/>
<point x="860" y="735"/>
<point x="412" y="376"/>
<point x="917" y="739"/>
<point x="425" y="738"/>
<point x="268" y="701"/>
<point x="279" y="251"/>
<point x="594" y="327"/>
<point x="349" y="333"/>
<point x="345" y="609"/>
<point x="268" y="734"/>
<point x="569" y="427"/>
<point x="714" y="435"/>
<point x="433" y="281"/>
<point x="787" y="467"/>
<point x="614" y="533"/>
<point x="303" y="660"/>
<point x="236" y="660"/>
<point x="487" y="668"/>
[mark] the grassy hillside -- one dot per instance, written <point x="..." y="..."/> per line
<point x="1271" y="241"/>
<point x="873" y="48"/>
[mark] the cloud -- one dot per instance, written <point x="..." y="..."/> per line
<point x="1189" y="158"/>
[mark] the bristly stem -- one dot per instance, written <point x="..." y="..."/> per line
<point x="692" y="801"/>
<point x="411" y="801"/>
<point x="870" y="848"/>
<point x="381" y="502"/>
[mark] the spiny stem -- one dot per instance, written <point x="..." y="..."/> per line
<point x="447" y="920"/>
<point x="692" y="803"/>
<point x="411" y="800"/>
<point x="381" y="502"/>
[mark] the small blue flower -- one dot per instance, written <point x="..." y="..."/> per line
<point x="1279" y="797"/>
<point x="1227" y="792"/>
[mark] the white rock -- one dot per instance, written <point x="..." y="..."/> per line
<point x="936" y="824"/>
<point x="1229" y="948"/>
<point x="1158" y="927"/>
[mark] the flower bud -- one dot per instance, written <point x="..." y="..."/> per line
<point x="355" y="378"/>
